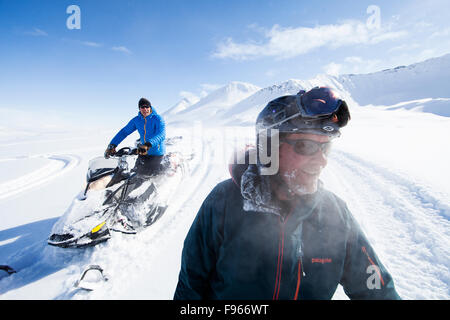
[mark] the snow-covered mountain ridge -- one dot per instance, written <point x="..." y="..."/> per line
<point x="213" y="104"/>
<point x="427" y="79"/>
<point x="238" y="103"/>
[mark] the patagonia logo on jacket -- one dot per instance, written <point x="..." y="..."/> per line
<point x="321" y="260"/>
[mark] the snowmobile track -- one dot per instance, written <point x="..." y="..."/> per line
<point x="58" y="165"/>
<point x="115" y="255"/>
<point x="398" y="213"/>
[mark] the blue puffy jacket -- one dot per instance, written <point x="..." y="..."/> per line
<point x="151" y="129"/>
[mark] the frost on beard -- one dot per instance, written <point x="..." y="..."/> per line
<point x="255" y="189"/>
<point x="299" y="189"/>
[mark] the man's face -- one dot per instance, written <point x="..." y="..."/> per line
<point x="145" y="111"/>
<point x="301" y="172"/>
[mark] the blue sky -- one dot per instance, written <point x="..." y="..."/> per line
<point x="164" y="50"/>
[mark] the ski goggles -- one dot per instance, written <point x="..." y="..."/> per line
<point x="307" y="147"/>
<point x="307" y="108"/>
<point x="318" y="102"/>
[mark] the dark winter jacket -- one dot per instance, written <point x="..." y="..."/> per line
<point x="151" y="129"/>
<point x="232" y="253"/>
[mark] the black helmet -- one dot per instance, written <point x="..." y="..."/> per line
<point x="317" y="111"/>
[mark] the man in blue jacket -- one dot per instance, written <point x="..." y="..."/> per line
<point x="282" y="236"/>
<point x="151" y="128"/>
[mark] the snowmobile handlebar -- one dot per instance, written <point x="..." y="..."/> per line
<point x="126" y="151"/>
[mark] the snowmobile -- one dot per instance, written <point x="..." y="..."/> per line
<point x="117" y="199"/>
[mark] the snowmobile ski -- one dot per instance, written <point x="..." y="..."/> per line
<point x="98" y="234"/>
<point x="91" y="278"/>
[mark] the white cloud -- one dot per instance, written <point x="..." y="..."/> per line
<point x="256" y="28"/>
<point x="37" y="33"/>
<point x="285" y="43"/>
<point x="272" y="73"/>
<point x="353" y="59"/>
<point x="210" y="86"/>
<point x="405" y="47"/>
<point x="441" y="33"/>
<point x="189" y="96"/>
<point x="207" y="88"/>
<point x="91" y="44"/>
<point x="333" y="69"/>
<point x="360" y="65"/>
<point x="353" y="64"/>
<point x="122" y="49"/>
<point x="388" y="36"/>
<point x="83" y="43"/>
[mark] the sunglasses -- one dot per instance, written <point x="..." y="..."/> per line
<point x="145" y="107"/>
<point x="307" y="147"/>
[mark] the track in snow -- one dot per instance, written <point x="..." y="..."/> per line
<point x="406" y="223"/>
<point x="57" y="166"/>
<point x="408" y="226"/>
<point x="131" y="260"/>
<point x="123" y="256"/>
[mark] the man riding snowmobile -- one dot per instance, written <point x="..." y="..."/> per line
<point x="151" y="128"/>
<point x="119" y="199"/>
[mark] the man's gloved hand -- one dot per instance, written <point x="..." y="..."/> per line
<point x="143" y="148"/>
<point x="110" y="151"/>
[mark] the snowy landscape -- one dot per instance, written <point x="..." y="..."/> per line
<point x="390" y="166"/>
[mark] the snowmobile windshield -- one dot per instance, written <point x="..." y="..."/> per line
<point x="99" y="167"/>
<point x="102" y="163"/>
